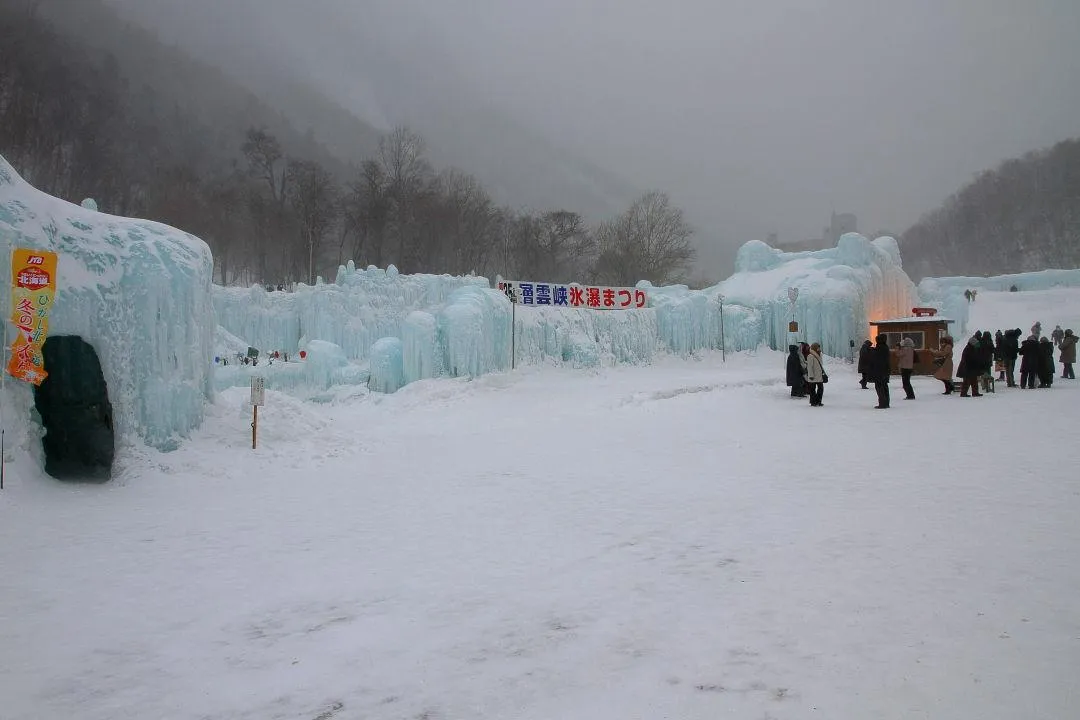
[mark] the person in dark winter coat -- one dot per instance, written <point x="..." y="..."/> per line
<point x="999" y="339"/>
<point x="1068" y="355"/>
<point x="795" y="372"/>
<point x="879" y="371"/>
<point x="1009" y="349"/>
<point x="986" y="352"/>
<point x="1046" y="364"/>
<point x="864" y="362"/>
<point x="1057" y="335"/>
<point x="970" y="368"/>
<point x="1029" y="364"/>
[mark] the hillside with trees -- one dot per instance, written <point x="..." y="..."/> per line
<point x="151" y="132"/>
<point x="1020" y="217"/>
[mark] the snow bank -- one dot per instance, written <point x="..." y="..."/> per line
<point x="137" y="291"/>
<point x="947" y="293"/>
<point x="840" y="290"/>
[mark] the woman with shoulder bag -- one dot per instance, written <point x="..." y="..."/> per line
<point x="815" y="375"/>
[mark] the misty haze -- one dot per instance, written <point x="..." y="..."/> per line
<point x="433" y="359"/>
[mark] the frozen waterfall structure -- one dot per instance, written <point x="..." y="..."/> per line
<point x="841" y="290"/>
<point x="132" y="295"/>
<point x="413" y="327"/>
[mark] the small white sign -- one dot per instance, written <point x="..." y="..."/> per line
<point x="258" y="391"/>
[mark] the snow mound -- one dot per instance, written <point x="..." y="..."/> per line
<point x="137" y="291"/>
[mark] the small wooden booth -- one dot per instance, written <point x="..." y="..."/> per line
<point x="925" y="328"/>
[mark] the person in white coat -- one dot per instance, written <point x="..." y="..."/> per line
<point x="815" y="375"/>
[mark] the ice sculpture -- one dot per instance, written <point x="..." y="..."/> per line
<point x="419" y="349"/>
<point x="138" y="292"/>
<point x="473" y="332"/>
<point x="840" y="290"/>
<point x="360" y="307"/>
<point x="947" y="293"/>
<point x="387" y="371"/>
<point x="460" y="327"/>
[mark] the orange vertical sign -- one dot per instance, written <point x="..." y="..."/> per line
<point x="33" y="289"/>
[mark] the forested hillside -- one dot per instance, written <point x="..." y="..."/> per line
<point x="1022" y="216"/>
<point x="147" y="131"/>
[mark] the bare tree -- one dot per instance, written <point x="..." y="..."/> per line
<point x="267" y="162"/>
<point x="315" y="201"/>
<point x="650" y="241"/>
<point x="407" y="171"/>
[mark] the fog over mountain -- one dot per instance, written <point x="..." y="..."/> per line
<point x="756" y="117"/>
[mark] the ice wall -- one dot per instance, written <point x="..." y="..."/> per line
<point x="840" y="290"/>
<point x="360" y="307"/>
<point x="137" y="291"/>
<point x="947" y="293"/>
<point x="442" y="326"/>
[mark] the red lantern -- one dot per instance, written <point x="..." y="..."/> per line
<point x="303" y="354"/>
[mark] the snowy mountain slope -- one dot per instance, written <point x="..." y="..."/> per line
<point x="385" y="66"/>
<point x="675" y="541"/>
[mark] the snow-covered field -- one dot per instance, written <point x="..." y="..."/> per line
<point x="676" y="541"/>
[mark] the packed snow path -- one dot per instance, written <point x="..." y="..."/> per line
<point x="680" y="541"/>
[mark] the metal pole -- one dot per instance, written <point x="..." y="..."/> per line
<point x="254" y="425"/>
<point x="513" y="335"/>
<point x="723" y="340"/>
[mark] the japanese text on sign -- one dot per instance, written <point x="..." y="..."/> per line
<point x="258" y="391"/>
<point x="33" y="288"/>
<point x="594" y="297"/>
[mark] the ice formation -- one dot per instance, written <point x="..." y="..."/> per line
<point x="353" y="312"/>
<point x="137" y="291"/>
<point x="840" y="290"/>
<point x="387" y="371"/>
<point x="947" y="293"/>
<point x="412" y="327"/>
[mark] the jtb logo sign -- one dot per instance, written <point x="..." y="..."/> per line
<point x="35" y="260"/>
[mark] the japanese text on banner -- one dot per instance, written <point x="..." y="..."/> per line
<point x="33" y="289"/>
<point x="537" y="294"/>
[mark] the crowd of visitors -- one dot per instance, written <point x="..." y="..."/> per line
<point x="983" y="355"/>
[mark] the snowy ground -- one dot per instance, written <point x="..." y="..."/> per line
<point x="679" y="541"/>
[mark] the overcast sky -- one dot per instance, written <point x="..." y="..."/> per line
<point x="757" y="116"/>
<point x="763" y="115"/>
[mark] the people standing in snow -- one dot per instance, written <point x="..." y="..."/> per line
<point x="1046" y="365"/>
<point x="986" y="353"/>
<point x="945" y="365"/>
<point x="906" y="363"/>
<point x="804" y="351"/>
<point x="1036" y="329"/>
<point x="1009" y="349"/>
<point x="1057" y="335"/>
<point x="1029" y="362"/>
<point x="815" y="375"/>
<point x="795" y="372"/>
<point x="999" y="361"/>
<point x="864" y="363"/>
<point x="971" y="368"/>
<point x="879" y="371"/>
<point x="1068" y="355"/>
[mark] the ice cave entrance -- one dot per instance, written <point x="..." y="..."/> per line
<point x="75" y="411"/>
